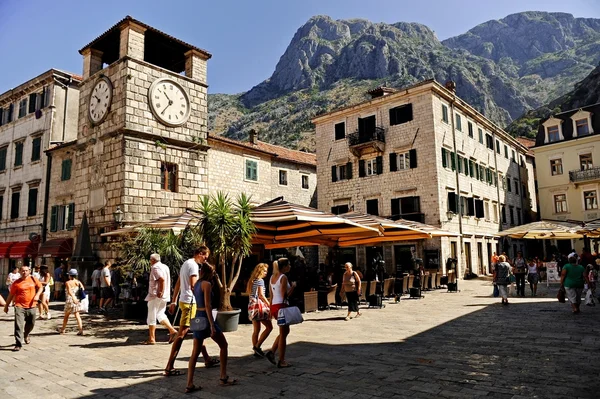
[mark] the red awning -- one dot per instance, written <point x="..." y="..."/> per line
<point x="57" y="248"/>
<point x="24" y="249"/>
<point x="5" y="248"/>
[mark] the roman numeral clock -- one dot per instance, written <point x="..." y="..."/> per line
<point x="169" y="102"/>
<point x="100" y="100"/>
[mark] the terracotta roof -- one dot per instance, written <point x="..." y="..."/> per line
<point x="305" y="158"/>
<point x="528" y="143"/>
<point x="148" y="27"/>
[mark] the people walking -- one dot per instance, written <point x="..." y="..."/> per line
<point x="188" y="275"/>
<point x="96" y="274"/>
<point x="203" y="295"/>
<point x="502" y="278"/>
<point x="47" y="281"/>
<point x="351" y="285"/>
<point x="159" y="293"/>
<point x="572" y="280"/>
<point x="58" y="282"/>
<point x="519" y="270"/>
<point x="72" y="301"/>
<point x="13" y="276"/>
<point x="258" y="308"/>
<point x="106" y="292"/>
<point x="280" y="291"/>
<point x="533" y="276"/>
<point x="25" y="293"/>
<point x="590" y="284"/>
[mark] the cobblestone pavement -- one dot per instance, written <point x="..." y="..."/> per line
<point x="444" y="345"/>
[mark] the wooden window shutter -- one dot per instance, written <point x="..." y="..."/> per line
<point x="1" y="206"/>
<point x="452" y="205"/>
<point x="334" y="173"/>
<point x="444" y="160"/>
<point x="393" y="120"/>
<point x="349" y="170"/>
<point x="395" y="206"/>
<point x="71" y="218"/>
<point x="32" y="102"/>
<point x="470" y="207"/>
<point x="393" y="162"/>
<point x="479" y="209"/>
<point x="1" y="116"/>
<point x="453" y="161"/>
<point x="379" y="162"/>
<point x="413" y="158"/>
<point x="361" y="168"/>
<point x="53" y="218"/>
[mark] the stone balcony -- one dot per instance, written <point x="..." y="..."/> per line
<point x="585" y="176"/>
<point x="362" y="143"/>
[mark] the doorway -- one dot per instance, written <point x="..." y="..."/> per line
<point x="404" y="259"/>
<point x="480" y="258"/>
<point x="468" y="257"/>
<point x="489" y="257"/>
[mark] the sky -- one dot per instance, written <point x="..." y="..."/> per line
<point x="245" y="37"/>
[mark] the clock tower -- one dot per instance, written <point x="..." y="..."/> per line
<point x="141" y="143"/>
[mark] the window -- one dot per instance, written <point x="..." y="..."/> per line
<point x="366" y="126"/>
<point x="445" y="113"/>
<point x="1" y="206"/>
<point x="585" y="162"/>
<point x="373" y="207"/>
<point x="251" y="170"/>
<point x="32" y="102"/>
<point x="523" y="191"/>
<point x="446" y="158"/>
<point x="582" y="127"/>
<point x="459" y="162"/>
<point x="466" y="167"/>
<point x="556" y="167"/>
<point x="503" y="210"/>
<point x="283" y="177"/>
<point x="480" y="209"/>
<point x="508" y="184"/>
<point x="506" y="151"/>
<point x="553" y="134"/>
<point x="371" y="167"/>
<point x="495" y="211"/>
<point x="463" y="206"/>
<point x="339" y="209"/>
<point x="62" y="217"/>
<point x="458" y="123"/>
<point x="560" y="203"/>
<point x="65" y="173"/>
<point x="407" y="160"/>
<point x="32" y="203"/>
<point x="518" y="216"/>
<point x="452" y="202"/>
<point x="342" y="172"/>
<point x="472" y="168"/>
<point x="514" y="158"/>
<point x="36" y="149"/>
<point x="407" y="208"/>
<point x="401" y="114"/>
<point x="14" y="204"/>
<point x="19" y="154"/>
<point x="489" y="141"/>
<point x="480" y="132"/>
<point x="512" y="215"/>
<point x="168" y="177"/>
<point x="590" y="199"/>
<point x="516" y="187"/>
<point x="305" y="182"/>
<point x="7" y="114"/>
<point x="470" y="129"/>
<point x="498" y="146"/>
<point x="3" y="152"/>
<point x="481" y="173"/>
<point x="22" y="107"/>
<point x="340" y="131"/>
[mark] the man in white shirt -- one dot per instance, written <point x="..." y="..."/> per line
<point x="188" y="275"/>
<point x="159" y="293"/>
<point x="96" y="284"/>
<point x="106" y="292"/>
<point x="13" y="276"/>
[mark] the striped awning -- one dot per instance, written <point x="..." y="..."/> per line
<point x="545" y="230"/>
<point x="283" y="224"/>
<point x="392" y="230"/>
<point x="177" y="223"/>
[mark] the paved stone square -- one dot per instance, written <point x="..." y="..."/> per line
<point x="461" y="345"/>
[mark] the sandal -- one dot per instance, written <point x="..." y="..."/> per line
<point x="283" y="365"/>
<point x="211" y="363"/>
<point x="27" y="340"/>
<point x="80" y="333"/>
<point x="172" y="373"/>
<point x="270" y="357"/>
<point x="16" y="349"/>
<point x="227" y="382"/>
<point x="147" y="342"/>
<point x="193" y="388"/>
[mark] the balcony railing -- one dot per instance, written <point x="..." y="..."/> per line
<point x="358" y="137"/>
<point x="583" y="175"/>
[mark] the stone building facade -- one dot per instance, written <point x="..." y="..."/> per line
<point x="33" y="116"/>
<point x="423" y="154"/>
<point x="262" y="170"/>
<point x="567" y="156"/>
<point x="128" y="154"/>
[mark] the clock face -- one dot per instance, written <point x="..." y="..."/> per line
<point x="100" y="100"/>
<point x="169" y="102"/>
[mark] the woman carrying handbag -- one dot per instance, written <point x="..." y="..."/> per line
<point x="280" y="290"/>
<point x="258" y="308"/>
<point x="351" y="287"/>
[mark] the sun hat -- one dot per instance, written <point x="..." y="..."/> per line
<point x="73" y="272"/>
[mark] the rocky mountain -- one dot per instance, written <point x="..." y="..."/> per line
<point x="586" y="92"/>
<point x="503" y="68"/>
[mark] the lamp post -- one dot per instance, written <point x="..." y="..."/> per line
<point x="118" y="216"/>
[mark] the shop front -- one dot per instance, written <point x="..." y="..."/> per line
<point x="56" y="251"/>
<point x="23" y="253"/>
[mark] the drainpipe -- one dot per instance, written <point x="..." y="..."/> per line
<point x="497" y="185"/>
<point x="460" y="229"/>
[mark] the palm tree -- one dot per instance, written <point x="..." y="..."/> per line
<point x="227" y="230"/>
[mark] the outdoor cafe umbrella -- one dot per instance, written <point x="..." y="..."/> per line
<point x="177" y="223"/>
<point x="283" y="224"/>
<point x="545" y="230"/>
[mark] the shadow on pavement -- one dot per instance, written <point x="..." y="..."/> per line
<point x="497" y="352"/>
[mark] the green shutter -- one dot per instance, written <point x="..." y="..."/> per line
<point x="71" y="218"/>
<point x="453" y="161"/>
<point x="444" y="160"/>
<point x="53" y="218"/>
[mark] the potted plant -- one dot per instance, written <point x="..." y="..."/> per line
<point x="227" y="229"/>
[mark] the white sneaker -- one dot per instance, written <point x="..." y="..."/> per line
<point x="48" y="316"/>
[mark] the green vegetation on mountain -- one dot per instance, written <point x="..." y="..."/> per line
<point x="503" y="68"/>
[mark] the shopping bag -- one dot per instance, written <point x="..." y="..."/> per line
<point x="561" y="295"/>
<point x="258" y="310"/>
<point x="84" y="305"/>
<point x="496" y="291"/>
<point x="289" y="316"/>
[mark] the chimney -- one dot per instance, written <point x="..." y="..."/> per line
<point x="450" y="85"/>
<point x="252" y="136"/>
